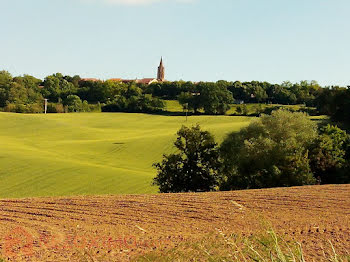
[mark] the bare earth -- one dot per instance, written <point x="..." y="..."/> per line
<point x="118" y="228"/>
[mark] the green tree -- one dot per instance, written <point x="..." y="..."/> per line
<point x="239" y="110"/>
<point x="6" y="82"/>
<point x="329" y="155"/>
<point x="74" y="80"/>
<point x="25" y="90"/>
<point x="56" y="87"/>
<point x="5" y="79"/>
<point x="28" y="81"/>
<point x="335" y="102"/>
<point x="215" y="99"/>
<point x="190" y="101"/>
<point x="85" y="106"/>
<point x="74" y="103"/>
<point x="270" y="152"/>
<point x="194" y="168"/>
<point x="258" y="93"/>
<point x="17" y="94"/>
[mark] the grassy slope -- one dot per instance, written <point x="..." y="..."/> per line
<point x="96" y="153"/>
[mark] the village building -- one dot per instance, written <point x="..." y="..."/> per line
<point x="90" y="79"/>
<point x="145" y="81"/>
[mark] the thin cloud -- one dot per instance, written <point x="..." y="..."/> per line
<point x="138" y="2"/>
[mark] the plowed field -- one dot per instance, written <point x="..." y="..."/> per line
<point x="118" y="228"/>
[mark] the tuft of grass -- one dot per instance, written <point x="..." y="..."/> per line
<point x="265" y="247"/>
<point x="334" y="257"/>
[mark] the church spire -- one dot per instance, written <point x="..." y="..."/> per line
<point x="161" y="71"/>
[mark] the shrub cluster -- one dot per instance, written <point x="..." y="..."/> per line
<point x="24" y="108"/>
<point x="134" y="104"/>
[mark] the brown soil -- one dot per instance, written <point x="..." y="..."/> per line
<point x="117" y="228"/>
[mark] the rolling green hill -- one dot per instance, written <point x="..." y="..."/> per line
<point x="95" y="153"/>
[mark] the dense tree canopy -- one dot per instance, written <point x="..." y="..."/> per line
<point x="27" y="92"/>
<point x="270" y="152"/>
<point x="212" y="98"/>
<point x="57" y="88"/>
<point x="278" y="150"/>
<point x="335" y="102"/>
<point x="74" y="103"/>
<point x="194" y="168"/>
<point x="250" y="92"/>
<point x="330" y="155"/>
<point x="18" y="90"/>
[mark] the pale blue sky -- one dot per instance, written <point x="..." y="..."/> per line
<point x="265" y="40"/>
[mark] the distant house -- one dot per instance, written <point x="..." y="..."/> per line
<point x="127" y="81"/>
<point x="115" y="79"/>
<point x="90" y="79"/>
<point x="147" y="81"/>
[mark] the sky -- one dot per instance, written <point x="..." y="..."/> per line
<point x="200" y="40"/>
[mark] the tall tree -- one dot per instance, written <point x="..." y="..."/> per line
<point x="194" y="168"/>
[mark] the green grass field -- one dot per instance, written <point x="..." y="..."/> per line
<point x="90" y="153"/>
<point x="174" y="106"/>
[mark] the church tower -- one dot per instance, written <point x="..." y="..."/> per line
<point x="161" y="71"/>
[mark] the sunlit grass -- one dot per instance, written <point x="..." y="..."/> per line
<point x="95" y="153"/>
<point x="264" y="247"/>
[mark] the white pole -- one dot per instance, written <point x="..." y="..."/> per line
<point x="45" y="105"/>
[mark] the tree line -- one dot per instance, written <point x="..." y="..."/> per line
<point x="335" y="102"/>
<point x="278" y="150"/>
<point x="73" y="94"/>
<point x="26" y="94"/>
<point x="250" y="92"/>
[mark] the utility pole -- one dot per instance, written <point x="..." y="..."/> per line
<point x="45" y="105"/>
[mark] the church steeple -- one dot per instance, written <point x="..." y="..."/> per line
<point x="161" y="71"/>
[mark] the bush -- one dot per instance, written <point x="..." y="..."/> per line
<point x="22" y="108"/>
<point x="10" y="108"/>
<point x="55" y="108"/>
<point x="35" y="108"/>
<point x="74" y="103"/>
<point x="59" y="108"/>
